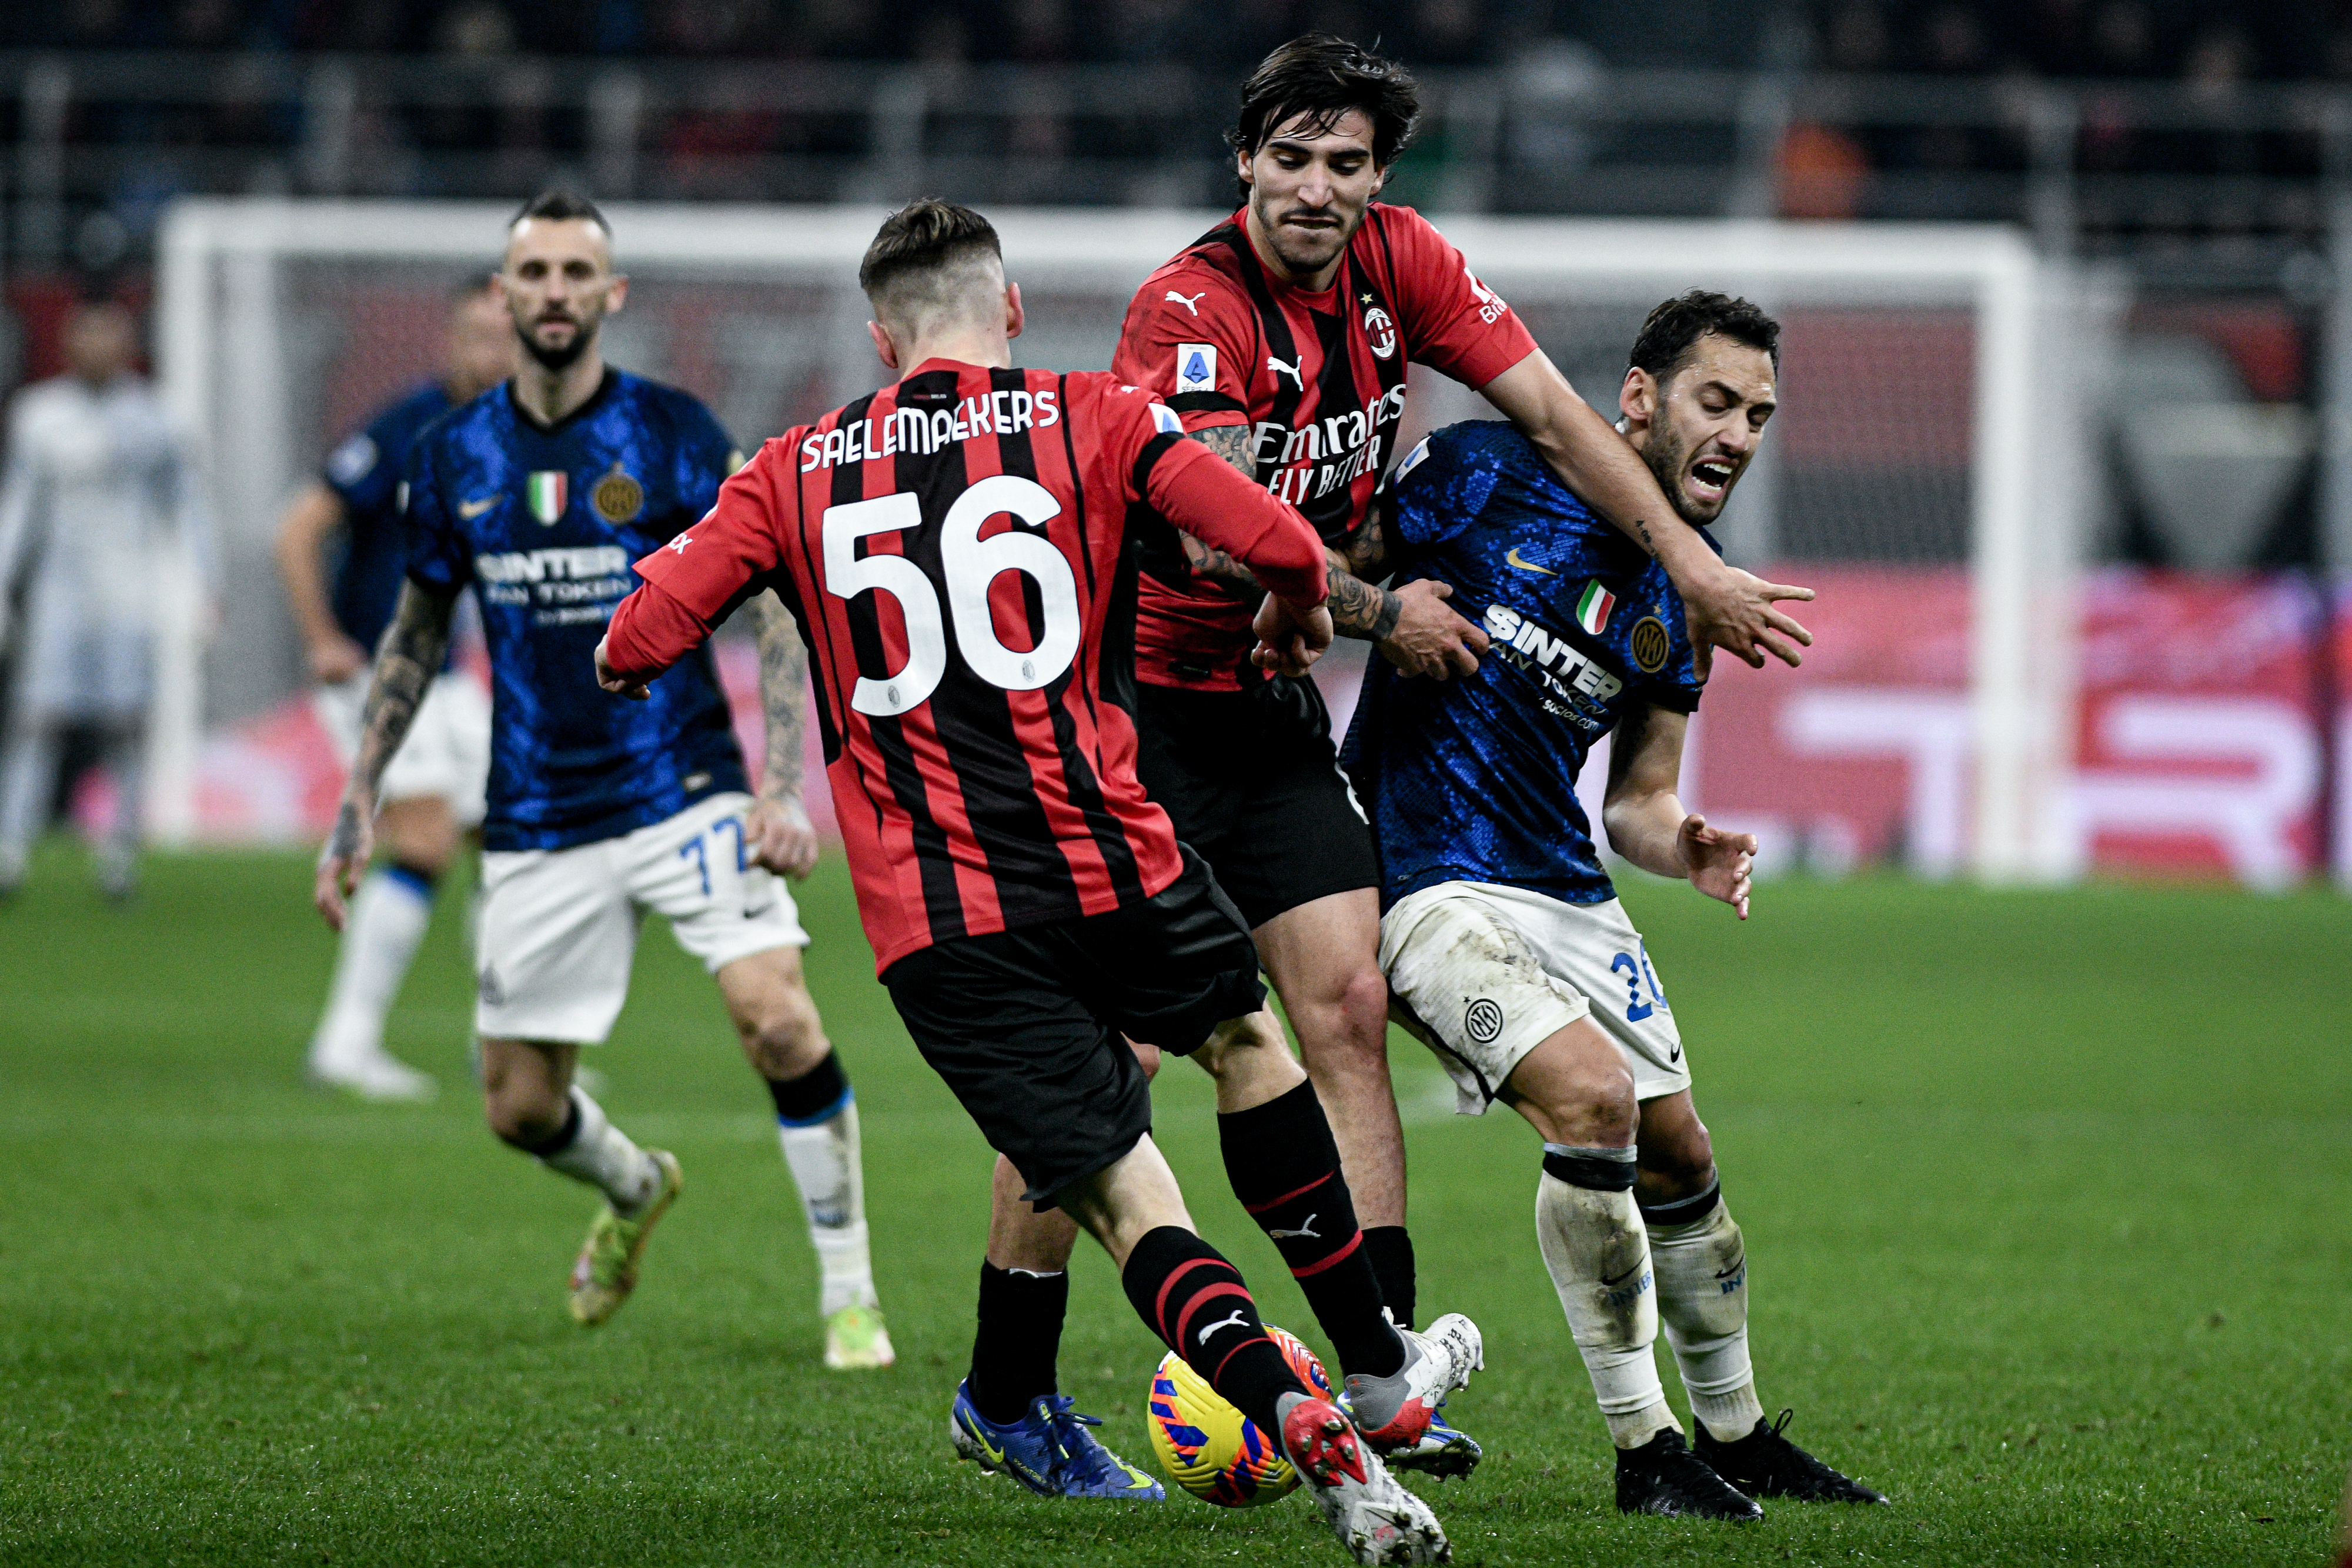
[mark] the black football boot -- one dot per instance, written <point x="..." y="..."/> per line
<point x="1766" y="1464"/>
<point x="1665" y="1477"/>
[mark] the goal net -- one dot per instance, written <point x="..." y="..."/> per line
<point x="1918" y="473"/>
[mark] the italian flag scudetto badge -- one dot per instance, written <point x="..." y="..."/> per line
<point x="1593" y="610"/>
<point x="547" y="490"/>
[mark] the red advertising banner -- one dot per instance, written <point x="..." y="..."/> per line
<point x="2201" y="750"/>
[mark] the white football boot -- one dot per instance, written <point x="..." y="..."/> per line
<point x="1373" y="1516"/>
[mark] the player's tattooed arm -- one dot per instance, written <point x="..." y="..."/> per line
<point x="407" y="659"/>
<point x="1232" y="443"/>
<point x="778" y="833"/>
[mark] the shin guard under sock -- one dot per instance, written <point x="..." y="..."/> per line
<point x="816" y="1123"/>
<point x="1285" y="1169"/>
<point x="1702" y="1267"/>
<point x="1597" y="1255"/>
<point x="1195" y="1301"/>
<point x="1018" y="1340"/>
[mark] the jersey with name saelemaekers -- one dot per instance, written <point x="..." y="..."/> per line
<point x="544" y="522"/>
<point x="1317" y="378"/>
<point x="363" y="471"/>
<point x="1473" y="779"/>
<point x="960" y="552"/>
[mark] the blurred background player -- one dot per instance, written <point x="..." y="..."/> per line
<point x="1503" y="938"/>
<point x="432" y="788"/>
<point x="541" y="496"/>
<point x="100" y="503"/>
<point x="1028" y="906"/>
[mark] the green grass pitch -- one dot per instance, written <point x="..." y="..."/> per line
<point x="2044" y="1197"/>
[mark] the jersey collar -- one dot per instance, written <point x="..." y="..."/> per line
<point x="595" y="400"/>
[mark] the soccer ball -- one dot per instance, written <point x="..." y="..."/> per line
<point x="1212" y="1450"/>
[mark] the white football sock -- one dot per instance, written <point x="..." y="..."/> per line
<point x="1598" y="1254"/>
<point x="387" y="921"/>
<point x="1702" y="1269"/>
<point x="601" y="1156"/>
<point x="29" y="771"/>
<point x="823" y="1157"/>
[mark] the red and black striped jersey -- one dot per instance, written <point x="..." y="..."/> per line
<point x="960" y="550"/>
<point x="1318" y="378"/>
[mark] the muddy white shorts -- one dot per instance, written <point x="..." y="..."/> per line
<point x="1487" y="972"/>
<point x="559" y="927"/>
<point x="446" y="755"/>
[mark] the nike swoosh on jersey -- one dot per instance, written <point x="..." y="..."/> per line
<point x="469" y="510"/>
<point x="1511" y="557"/>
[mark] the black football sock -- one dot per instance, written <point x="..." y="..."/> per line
<point x="1019" y="1337"/>
<point x="1195" y="1301"/>
<point x="814" y="1096"/>
<point x="1285" y="1169"/>
<point x="1390" y="1250"/>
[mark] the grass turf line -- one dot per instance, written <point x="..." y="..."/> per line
<point x="2041" y="1193"/>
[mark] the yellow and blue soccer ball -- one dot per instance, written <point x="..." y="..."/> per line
<point x="1212" y="1450"/>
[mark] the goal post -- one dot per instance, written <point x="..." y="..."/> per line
<point x="1943" y="398"/>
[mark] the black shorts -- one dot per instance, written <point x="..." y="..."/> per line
<point x="1253" y="783"/>
<point x="1024" y="1025"/>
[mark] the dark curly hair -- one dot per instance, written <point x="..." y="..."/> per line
<point x="1674" y="328"/>
<point x="1323" y="76"/>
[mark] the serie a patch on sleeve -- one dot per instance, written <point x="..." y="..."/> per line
<point x="1196" y="367"/>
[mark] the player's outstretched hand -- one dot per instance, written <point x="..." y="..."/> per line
<point x="635" y="690"/>
<point x="342" y="860"/>
<point x="1289" y="639"/>
<point x="1429" y="639"/>
<point x="1719" y="864"/>
<point x="779" y="835"/>
<point x="1733" y="610"/>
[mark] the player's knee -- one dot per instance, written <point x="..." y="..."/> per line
<point x="524" y="1120"/>
<point x="1596" y="1098"/>
<point x="785" y="1039"/>
<point x="1349" y="1030"/>
<point x="1682" y="1163"/>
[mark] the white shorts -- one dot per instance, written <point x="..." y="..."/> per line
<point x="560" y="926"/>
<point x="445" y="756"/>
<point x="1487" y="973"/>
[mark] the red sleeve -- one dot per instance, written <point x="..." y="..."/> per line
<point x="1188" y="341"/>
<point x="1202" y="493"/>
<point x="1451" y="321"/>
<point x="650" y="630"/>
<point x="695" y="579"/>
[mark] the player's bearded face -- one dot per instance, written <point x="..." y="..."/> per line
<point x="559" y="283"/>
<point x="1704" y="431"/>
<point x="1309" y="186"/>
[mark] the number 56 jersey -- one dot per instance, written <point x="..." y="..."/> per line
<point x="960" y="552"/>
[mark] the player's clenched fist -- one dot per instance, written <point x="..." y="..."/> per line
<point x="1719" y="865"/>
<point x="620" y="686"/>
<point x="778" y="834"/>
<point x="1429" y="638"/>
<point x="1289" y="639"/>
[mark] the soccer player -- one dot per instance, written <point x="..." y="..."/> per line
<point x="538" y="493"/>
<point x="1281" y="339"/>
<point x="956" y="548"/>
<point x="1503" y="938"/>
<point x="99" y="488"/>
<point x="431" y="787"/>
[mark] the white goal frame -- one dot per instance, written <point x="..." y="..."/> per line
<point x="223" y="374"/>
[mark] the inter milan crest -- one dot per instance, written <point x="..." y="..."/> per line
<point x="1650" y="644"/>
<point x="549" y="491"/>
<point x="617" y="497"/>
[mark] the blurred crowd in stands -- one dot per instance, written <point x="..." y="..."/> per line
<point x="2194" y="41"/>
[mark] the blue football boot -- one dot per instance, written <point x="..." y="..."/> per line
<point x="1444" y="1452"/>
<point x="1049" y="1450"/>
